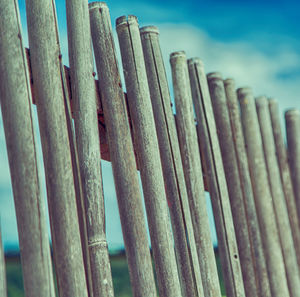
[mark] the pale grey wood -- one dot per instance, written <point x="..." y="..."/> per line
<point x="282" y="158"/>
<point x="47" y="78"/>
<point x="258" y="259"/>
<point x="185" y="121"/>
<point x="15" y="101"/>
<point x="262" y="194"/>
<point x="88" y="143"/>
<point x="190" y="156"/>
<point x="122" y="154"/>
<point x="3" y="286"/>
<point x="292" y="123"/>
<point x="170" y="154"/>
<point x="163" y="115"/>
<point x="222" y="119"/>
<point x="279" y="204"/>
<point x="213" y="168"/>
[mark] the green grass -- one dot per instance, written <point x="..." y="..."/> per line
<point x="119" y="269"/>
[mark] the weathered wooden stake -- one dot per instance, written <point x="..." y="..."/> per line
<point x="122" y="154"/>
<point x="147" y="150"/>
<point x="3" y="289"/>
<point x="219" y="104"/>
<point x="88" y="144"/>
<point x="283" y="224"/>
<point x="281" y="153"/>
<point x="46" y="71"/>
<point x="170" y="153"/>
<point x="258" y="259"/>
<point x="213" y="167"/>
<point x="21" y="148"/>
<point x="262" y="194"/>
<point x="292" y="122"/>
<point x="190" y="156"/>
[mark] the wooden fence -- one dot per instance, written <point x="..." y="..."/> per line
<point x="221" y="140"/>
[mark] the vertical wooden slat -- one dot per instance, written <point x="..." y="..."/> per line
<point x="88" y="144"/>
<point x="262" y="194"/>
<point x="292" y="122"/>
<point x="169" y="153"/>
<point x="3" y="286"/>
<point x="282" y="158"/>
<point x="17" y="120"/>
<point x="190" y="155"/>
<point x="259" y="261"/>
<point x="219" y="104"/>
<point x="46" y="71"/>
<point x="281" y="214"/>
<point x="147" y="150"/>
<point x="213" y="167"/>
<point x="121" y="153"/>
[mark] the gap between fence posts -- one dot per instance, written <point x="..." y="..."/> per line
<point x="262" y="194"/>
<point x="219" y="104"/>
<point x="258" y="257"/>
<point x="282" y="158"/>
<point x="292" y="122"/>
<point x="213" y="167"/>
<point x="45" y="62"/>
<point x="279" y="204"/>
<point x="21" y="149"/>
<point x="88" y="143"/>
<point x="169" y="153"/>
<point x="122" y="154"/>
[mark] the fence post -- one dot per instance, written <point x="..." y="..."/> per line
<point x="21" y="148"/>
<point x="3" y="289"/>
<point x="190" y="156"/>
<point x="258" y="259"/>
<point x="262" y="194"/>
<point x="210" y="150"/>
<point x="88" y="143"/>
<point x="122" y="154"/>
<point x="219" y="104"/>
<point x="47" y="80"/>
<point x="292" y="122"/>
<point x="281" y="214"/>
<point x="282" y="158"/>
<point x="169" y="153"/>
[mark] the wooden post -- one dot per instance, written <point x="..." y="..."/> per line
<point x="88" y="143"/>
<point x="122" y="154"/>
<point x="169" y="154"/>
<point x="3" y="289"/>
<point x="147" y="150"/>
<point x="213" y="167"/>
<point x="46" y="71"/>
<point x="226" y="140"/>
<point x="262" y="194"/>
<point x="190" y="156"/>
<point x="286" y="180"/>
<point x="258" y="259"/>
<point x="17" y="121"/>
<point x="292" y="122"/>
<point x="283" y="224"/>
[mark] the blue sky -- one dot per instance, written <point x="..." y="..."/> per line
<point x="255" y="42"/>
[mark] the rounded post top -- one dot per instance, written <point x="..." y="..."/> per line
<point x="195" y="60"/>
<point x="97" y="5"/>
<point x="149" y="30"/>
<point x="273" y="102"/>
<point x="214" y="75"/>
<point x="126" y="20"/>
<point x="293" y="112"/>
<point x="261" y="101"/>
<point x="229" y="82"/>
<point x="177" y="54"/>
<point x="244" y="91"/>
